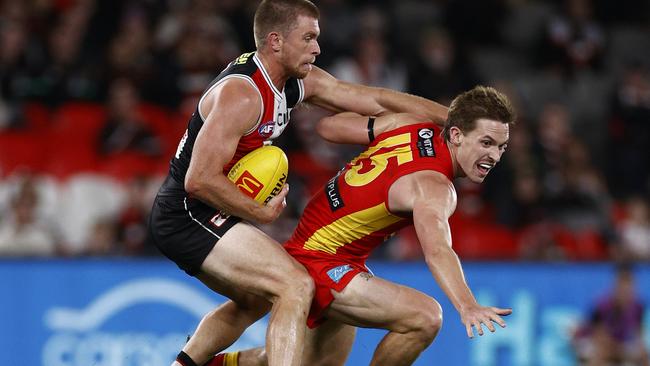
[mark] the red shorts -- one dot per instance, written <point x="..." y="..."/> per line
<point x="328" y="275"/>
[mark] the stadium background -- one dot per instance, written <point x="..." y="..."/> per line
<point x="95" y="96"/>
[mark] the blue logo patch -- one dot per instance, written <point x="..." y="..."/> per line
<point x="266" y="129"/>
<point x="338" y="272"/>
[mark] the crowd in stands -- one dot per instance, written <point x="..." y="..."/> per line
<point x="95" y="95"/>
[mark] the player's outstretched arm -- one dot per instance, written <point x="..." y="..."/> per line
<point x="230" y="110"/>
<point x="335" y="95"/>
<point x="353" y="128"/>
<point x="433" y="200"/>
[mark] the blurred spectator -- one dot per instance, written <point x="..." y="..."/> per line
<point x="528" y="207"/>
<point x="541" y="242"/>
<point x="203" y="45"/>
<point x="573" y="40"/>
<point x="132" y="221"/>
<point x="339" y="15"/>
<point x="582" y="205"/>
<point x="13" y="43"/>
<point x="628" y="170"/>
<point x="102" y="239"/>
<point x="436" y="72"/>
<point x="124" y="130"/>
<point x="634" y="231"/>
<point x="22" y="232"/>
<point x="613" y="332"/>
<point x="370" y="64"/>
<point x="68" y="72"/>
<point x="515" y="188"/>
<point x="130" y="53"/>
<point x="553" y="137"/>
<point x="582" y="189"/>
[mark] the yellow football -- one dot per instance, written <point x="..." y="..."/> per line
<point x="261" y="173"/>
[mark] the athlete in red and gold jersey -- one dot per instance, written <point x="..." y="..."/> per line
<point x="403" y="178"/>
<point x="342" y="224"/>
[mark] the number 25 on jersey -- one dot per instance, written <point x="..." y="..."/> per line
<point x="372" y="162"/>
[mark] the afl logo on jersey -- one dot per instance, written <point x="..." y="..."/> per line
<point x="266" y="129"/>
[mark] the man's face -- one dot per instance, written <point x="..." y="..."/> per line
<point x="480" y="149"/>
<point x="300" y="47"/>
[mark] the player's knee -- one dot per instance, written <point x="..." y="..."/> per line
<point x="429" y="321"/>
<point x="303" y="286"/>
<point x="299" y="286"/>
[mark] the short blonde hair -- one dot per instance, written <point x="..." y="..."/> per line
<point x="480" y="102"/>
<point x="280" y="16"/>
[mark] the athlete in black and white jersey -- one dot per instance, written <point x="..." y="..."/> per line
<point x="247" y="106"/>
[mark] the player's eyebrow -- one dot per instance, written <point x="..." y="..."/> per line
<point x="492" y="140"/>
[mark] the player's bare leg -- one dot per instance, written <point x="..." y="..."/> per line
<point x="412" y="318"/>
<point x="327" y="345"/>
<point x="245" y="259"/>
<point x="220" y="328"/>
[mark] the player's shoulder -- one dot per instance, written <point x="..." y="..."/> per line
<point x="234" y="88"/>
<point x="236" y="96"/>
<point x="432" y="183"/>
<point x="421" y="187"/>
<point x="428" y="177"/>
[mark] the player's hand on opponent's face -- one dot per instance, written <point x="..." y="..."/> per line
<point x="478" y="316"/>
<point x="274" y="207"/>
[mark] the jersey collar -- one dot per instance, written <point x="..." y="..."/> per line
<point x="266" y="76"/>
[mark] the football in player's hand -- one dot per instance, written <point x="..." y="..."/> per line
<point x="261" y="173"/>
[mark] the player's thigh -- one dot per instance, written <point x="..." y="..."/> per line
<point x="329" y="344"/>
<point x="245" y="303"/>
<point x="248" y="260"/>
<point x="369" y="301"/>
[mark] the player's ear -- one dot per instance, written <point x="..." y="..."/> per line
<point x="274" y="40"/>
<point x="455" y="135"/>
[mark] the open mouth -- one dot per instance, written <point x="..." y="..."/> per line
<point x="484" y="168"/>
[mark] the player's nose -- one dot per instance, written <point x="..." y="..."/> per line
<point x="316" y="49"/>
<point x="495" y="154"/>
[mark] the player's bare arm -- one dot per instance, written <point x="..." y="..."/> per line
<point x="336" y="95"/>
<point x="230" y="110"/>
<point x="352" y="128"/>
<point x="432" y="198"/>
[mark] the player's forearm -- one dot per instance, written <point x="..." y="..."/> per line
<point x="220" y="193"/>
<point x="344" y="128"/>
<point x="352" y="128"/>
<point x="446" y="269"/>
<point x="398" y="102"/>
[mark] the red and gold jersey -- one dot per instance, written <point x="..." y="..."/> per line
<point x="351" y="216"/>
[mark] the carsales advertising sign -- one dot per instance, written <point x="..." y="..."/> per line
<point x="140" y="312"/>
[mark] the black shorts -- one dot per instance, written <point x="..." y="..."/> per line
<point x="185" y="229"/>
